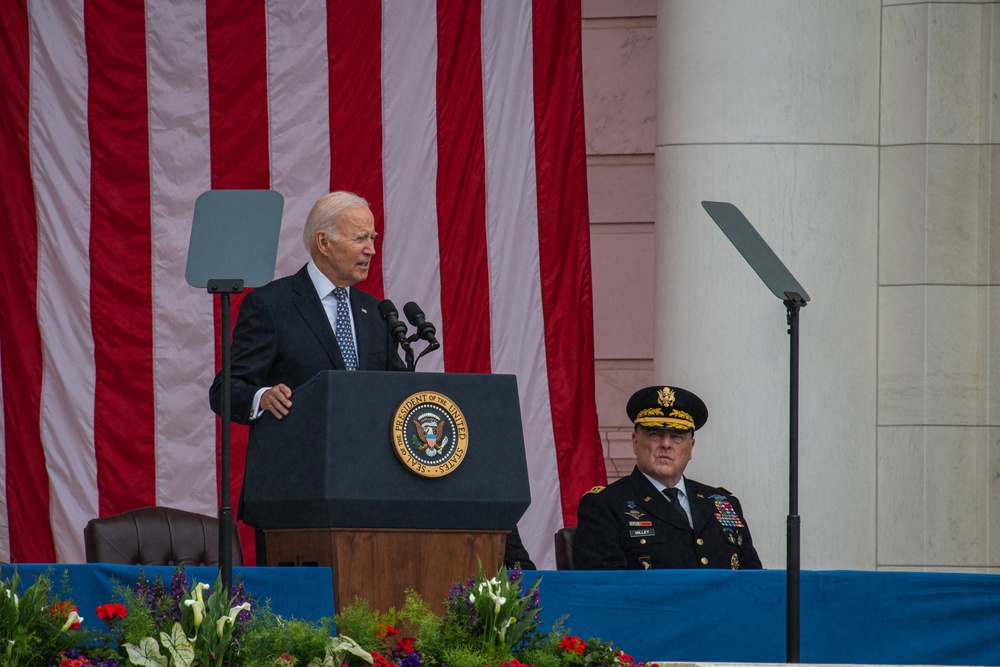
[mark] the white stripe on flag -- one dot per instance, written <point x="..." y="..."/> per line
<point x="183" y="327"/>
<point x="410" y="161"/>
<point x="60" y="163"/>
<point x="517" y="324"/>
<point x="299" y="116"/>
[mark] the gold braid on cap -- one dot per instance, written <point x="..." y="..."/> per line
<point x="654" y="418"/>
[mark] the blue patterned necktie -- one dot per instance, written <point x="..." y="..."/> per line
<point x="345" y="338"/>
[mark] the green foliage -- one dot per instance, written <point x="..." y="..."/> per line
<point x="33" y="626"/>
<point x="269" y="636"/>
<point x="487" y="622"/>
<point x="140" y="622"/>
<point x="365" y="625"/>
<point x="469" y="656"/>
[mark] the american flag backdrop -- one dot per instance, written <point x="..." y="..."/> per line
<point x="460" y="120"/>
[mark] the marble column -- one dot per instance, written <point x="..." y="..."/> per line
<point x="773" y="105"/>
<point x="939" y="305"/>
<point x="859" y="138"/>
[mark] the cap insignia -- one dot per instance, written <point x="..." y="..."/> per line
<point x="666" y="397"/>
<point x="650" y="412"/>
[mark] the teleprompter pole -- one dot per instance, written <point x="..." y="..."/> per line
<point x="793" y="303"/>
<point x="225" y="288"/>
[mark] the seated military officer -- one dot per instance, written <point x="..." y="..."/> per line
<point x="655" y="517"/>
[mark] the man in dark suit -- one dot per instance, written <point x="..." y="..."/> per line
<point x="656" y="517"/>
<point x="314" y="320"/>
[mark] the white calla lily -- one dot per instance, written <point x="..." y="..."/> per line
<point x="71" y="620"/>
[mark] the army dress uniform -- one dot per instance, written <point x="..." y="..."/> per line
<point x="630" y="525"/>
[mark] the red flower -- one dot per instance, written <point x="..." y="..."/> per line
<point x="385" y="631"/>
<point x="573" y="644"/>
<point x="513" y="662"/>
<point x="109" y="612"/>
<point x="624" y="658"/>
<point x="405" y="645"/>
<point x="379" y="660"/>
<point x="74" y="662"/>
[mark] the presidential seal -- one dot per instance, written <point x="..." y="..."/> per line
<point x="429" y="434"/>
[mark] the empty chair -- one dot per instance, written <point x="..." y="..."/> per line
<point x="156" y="536"/>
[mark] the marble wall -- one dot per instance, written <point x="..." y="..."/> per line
<point x="860" y="140"/>
<point x="619" y="84"/>
<point x="938" y="427"/>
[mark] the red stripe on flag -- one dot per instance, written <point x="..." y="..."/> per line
<point x="27" y="498"/>
<point x="564" y="246"/>
<point x="238" y="119"/>
<point x="354" y="44"/>
<point x="461" y="189"/>
<point x="120" y="255"/>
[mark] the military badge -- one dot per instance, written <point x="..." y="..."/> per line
<point x="645" y="562"/>
<point x="666" y="397"/>
<point x="633" y="511"/>
<point x="725" y="514"/>
<point x="734" y="562"/>
<point x="429" y="434"/>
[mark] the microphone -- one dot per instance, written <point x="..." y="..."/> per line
<point x="425" y="329"/>
<point x="387" y="309"/>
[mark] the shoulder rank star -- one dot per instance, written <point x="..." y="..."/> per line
<point x="595" y="489"/>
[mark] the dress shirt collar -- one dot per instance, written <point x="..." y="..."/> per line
<point x="660" y="487"/>
<point x="320" y="282"/>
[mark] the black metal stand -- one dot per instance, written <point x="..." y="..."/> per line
<point x="793" y="303"/>
<point x="225" y="288"/>
<point x="783" y="285"/>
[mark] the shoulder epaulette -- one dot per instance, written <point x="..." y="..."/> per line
<point x="596" y="489"/>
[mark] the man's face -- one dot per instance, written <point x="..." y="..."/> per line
<point x="662" y="454"/>
<point x="345" y="259"/>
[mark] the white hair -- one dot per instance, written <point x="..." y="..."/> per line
<point x="325" y="215"/>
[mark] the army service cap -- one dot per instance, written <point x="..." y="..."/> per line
<point x="671" y="408"/>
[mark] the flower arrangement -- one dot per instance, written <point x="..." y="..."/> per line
<point x="488" y="622"/>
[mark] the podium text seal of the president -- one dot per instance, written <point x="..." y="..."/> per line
<point x="429" y="434"/>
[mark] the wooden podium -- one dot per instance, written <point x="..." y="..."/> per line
<point x="378" y="565"/>
<point x="327" y="488"/>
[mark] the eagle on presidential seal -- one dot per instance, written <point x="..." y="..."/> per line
<point x="429" y="433"/>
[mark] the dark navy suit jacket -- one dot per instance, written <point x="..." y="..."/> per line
<point x="282" y="335"/>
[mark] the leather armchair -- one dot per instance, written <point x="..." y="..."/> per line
<point x="157" y="536"/>
<point x="564" y="548"/>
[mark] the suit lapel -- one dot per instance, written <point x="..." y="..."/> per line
<point x="655" y="502"/>
<point x="702" y="508"/>
<point x="311" y="309"/>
